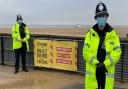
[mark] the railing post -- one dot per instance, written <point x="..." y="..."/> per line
<point x="2" y="50"/>
<point x="122" y="64"/>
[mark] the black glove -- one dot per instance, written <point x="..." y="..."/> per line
<point x="101" y="67"/>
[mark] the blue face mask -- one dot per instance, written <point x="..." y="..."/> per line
<point x="101" y="21"/>
<point x="20" y="21"/>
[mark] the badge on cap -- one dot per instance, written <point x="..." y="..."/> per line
<point x="101" y="7"/>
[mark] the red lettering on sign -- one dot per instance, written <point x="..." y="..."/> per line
<point x="63" y="55"/>
<point x="64" y="61"/>
<point x="62" y="49"/>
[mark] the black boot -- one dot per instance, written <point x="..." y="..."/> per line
<point x="16" y="71"/>
<point x="25" y="70"/>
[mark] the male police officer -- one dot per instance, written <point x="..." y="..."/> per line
<point x="20" y="35"/>
<point x="101" y="52"/>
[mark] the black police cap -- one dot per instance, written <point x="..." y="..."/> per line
<point x="101" y="10"/>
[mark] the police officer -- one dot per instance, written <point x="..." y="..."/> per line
<point x="101" y="52"/>
<point x="20" y="35"/>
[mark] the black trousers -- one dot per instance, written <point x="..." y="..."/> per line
<point x="20" y="52"/>
<point x="101" y="78"/>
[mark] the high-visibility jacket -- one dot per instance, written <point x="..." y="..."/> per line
<point x="113" y="52"/>
<point x="16" y="37"/>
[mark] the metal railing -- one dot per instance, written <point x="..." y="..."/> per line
<point x="7" y="54"/>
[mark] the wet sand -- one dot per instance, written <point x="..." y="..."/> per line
<point x="38" y="79"/>
<point x="74" y="32"/>
<point x="43" y="79"/>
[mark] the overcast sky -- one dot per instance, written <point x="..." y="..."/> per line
<point x="61" y="12"/>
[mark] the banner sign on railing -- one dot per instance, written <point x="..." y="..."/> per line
<point x="55" y="54"/>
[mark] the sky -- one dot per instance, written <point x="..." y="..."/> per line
<point x="61" y="12"/>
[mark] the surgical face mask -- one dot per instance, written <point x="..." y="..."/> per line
<point x="20" y="21"/>
<point x="101" y="21"/>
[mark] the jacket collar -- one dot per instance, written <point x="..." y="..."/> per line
<point x="107" y="28"/>
<point x="17" y="24"/>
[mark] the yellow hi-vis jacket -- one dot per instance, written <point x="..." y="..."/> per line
<point x="16" y="37"/>
<point x="113" y="52"/>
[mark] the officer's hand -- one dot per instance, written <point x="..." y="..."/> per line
<point x="22" y="40"/>
<point x="101" y="67"/>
